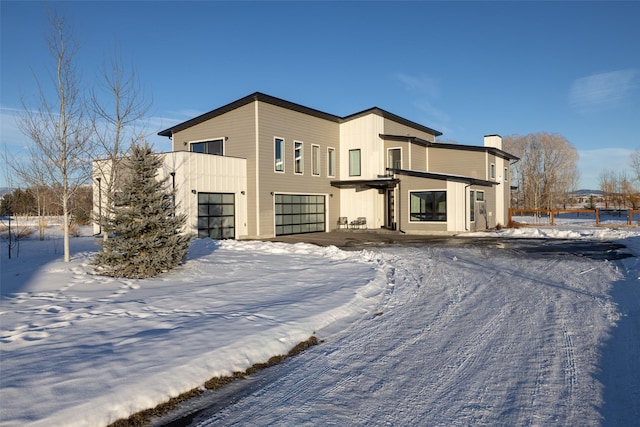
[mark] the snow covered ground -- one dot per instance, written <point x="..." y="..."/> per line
<point x="413" y="335"/>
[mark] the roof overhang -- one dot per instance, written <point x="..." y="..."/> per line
<point x="445" y="177"/>
<point x="378" y="184"/>
<point x="479" y="148"/>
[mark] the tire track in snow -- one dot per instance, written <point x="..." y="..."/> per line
<point x="570" y="374"/>
<point x="480" y="339"/>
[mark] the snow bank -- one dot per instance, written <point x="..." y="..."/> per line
<point x="86" y="350"/>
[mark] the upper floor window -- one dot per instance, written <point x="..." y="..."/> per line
<point x="331" y="161"/>
<point x="214" y="146"/>
<point x="480" y="196"/>
<point x="394" y="160"/>
<point x="506" y="174"/>
<point x="297" y="157"/>
<point x="279" y="155"/>
<point x="492" y="171"/>
<point x="354" y="162"/>
<point x="315" y="160"/>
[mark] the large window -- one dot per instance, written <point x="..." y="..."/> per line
<point x="215" y="146"/>
<point x="331" y="161"/>
<point x="354" y="162"/>
<point x="315" y="160"/>
<point x="279" y="154"/>
<point x="428" y="206"/>
<point x="297" y="157"/>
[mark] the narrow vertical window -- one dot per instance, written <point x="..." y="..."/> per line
<point x="279" y="155"/>
<point x="354" y="162"/>
<point x="492" y="171"/>
<point x="506" y="174"/>
<point x="331" y="162"/>
<point x="315" y="160"/>
<point x="297" y="157"/>
<point x="472" y="206"/>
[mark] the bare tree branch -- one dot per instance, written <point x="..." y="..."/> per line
<point x="58" y="127"/>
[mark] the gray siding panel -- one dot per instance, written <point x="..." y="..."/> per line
<point x="293" y="126"/>
<point x="457" y="162"/>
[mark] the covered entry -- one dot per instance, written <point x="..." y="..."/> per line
<point x="299" y="213"/>
<point x="216" y="215"/>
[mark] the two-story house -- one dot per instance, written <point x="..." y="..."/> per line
<point x="262" y="167"/>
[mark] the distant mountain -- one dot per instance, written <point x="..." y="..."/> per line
<point x="586" y="192"/>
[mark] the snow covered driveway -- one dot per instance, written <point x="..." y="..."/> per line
<point x="441" y="334"/>
<point x="469" y="336"/>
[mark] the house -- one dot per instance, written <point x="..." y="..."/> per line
<point x="262" y="166"/>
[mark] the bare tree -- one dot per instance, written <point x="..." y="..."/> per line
<point x="115" y="117"/>
<point x="635" y="163"/>
<point x="608" y="185"/>
<point x="57" y="127"/>
<point x="547" y="170"/>
<point x="628" y="191"/>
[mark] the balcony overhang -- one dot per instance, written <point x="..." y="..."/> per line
<point x="378" y="184"/>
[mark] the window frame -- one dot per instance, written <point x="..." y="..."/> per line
<point x="480" y="196"/>
<point x="389" y="150"/>
<point x="204" y="141"/>
<point x="351" y="171"/>
<point x="315" y="160"/>
<point x="276" y="140"/>
<point x="298" y="162"/>
<point x="492" y="171"/>
<point x="506" y="174"/>
<point x="434" y="216"/>
<point x="331" y="162"/>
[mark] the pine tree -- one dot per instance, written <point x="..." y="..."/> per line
<point x="146" y="234"/>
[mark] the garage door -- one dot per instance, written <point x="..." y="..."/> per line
<point x="299" y="213"/>
<point x="216" y="215"/>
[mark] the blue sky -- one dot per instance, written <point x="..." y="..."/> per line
<point x="467" y="69"/>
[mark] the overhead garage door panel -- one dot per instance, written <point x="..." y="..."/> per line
<point x="216" y="215"/>
<point x="299" y="213"/>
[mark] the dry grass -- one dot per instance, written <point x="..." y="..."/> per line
<point x="143" y="418"/>
<point x="22" y="231"/>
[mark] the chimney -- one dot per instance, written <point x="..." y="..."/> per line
<point x="494" y="141"/>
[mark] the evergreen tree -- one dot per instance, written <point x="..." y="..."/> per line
<point x="146" y="237"/>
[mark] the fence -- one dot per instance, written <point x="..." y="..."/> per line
<point x="597" y="217"/>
